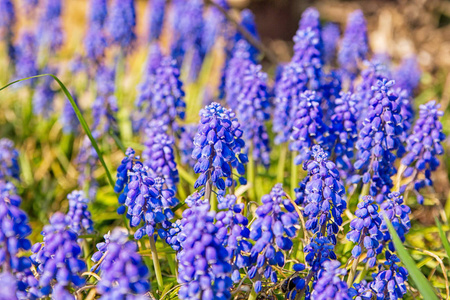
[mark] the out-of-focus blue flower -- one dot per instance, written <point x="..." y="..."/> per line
<point x="186" y="144"/>
<point x="122" y="271"/>
<point x="80" y="219"/>
<point x="272" y="231"/>
<point x="203" y="267"/>
<point x="104" y="108"/>
<point x="365" y="230"/>
<point x="360" y="291"/>
<point x="121" y="23"/>
<point x="304" y="72"/>
<point x="9" y="160"/>
<point x="308" y="127"/>
<point x="215" y="24"/>
<point x="50" y="34"/>
<point x="324" y="202"/>
<point x="162" y="97"/>
<point x="218" y="146"/>
<point x="44" y="95"/>
<point x="155" y="9"/>
<point x="423" y="147"/>
<point x="86" y="163"/>
<point x="330" y="38"/>
<point x="57" y="259"/>
<point x="159" y="154"/>
<point x="407" y="75"/>
<point x="378" y="141"/>
<point x="7" y="23"/>
<point x="68" y="117"/>
<point x="95" y="44"/>
<point x="354" y="45"/>
<point x="248" y="22"/>
<point x="26" y="57"/>
<point x="98" y="11"/>
<point x="233" y="233"/>
<point x="344" y="132"/>
<point x="329" y="285"/>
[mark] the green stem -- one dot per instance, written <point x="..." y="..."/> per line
<point x="351" y="275"/>
<point x="172" y="265"/>
<point x="363" y="274"/>
<point x="252" y="176"/>
<point x="281" y="163"/>
<point x="253" y="295"/>
<point x="294" y="175"/>
<point x="156" y="265"/>
<point x="365" y="190"/>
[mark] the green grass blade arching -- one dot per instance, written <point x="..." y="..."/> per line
<point x="424" y="286"/>
<point x="443" y="237"/>
<point x="79" y="116"/>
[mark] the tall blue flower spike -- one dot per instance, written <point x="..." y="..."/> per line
<point x="50" y="34"/>
<point x="26" y="57"/>
<point x="344" y="133"/>
<point x="203" y="268"/>
<point x="9" y="160"/>
<point x="354" y="46"/>
<point x="272" y="231"/>
<point x="159" y="154"/>
<point x="379" y="141"/>
<point x="407" y="74"/>
<point x="95" y="42"/>
<point x="80" y="218"/>
<point x="218" y="148"/>
<point x="122" y="270"/>
<point x="330" y="38"/>
<point x="324" y="196"/>
<point x="148" y="199"/>
<point x="423" y="147"/>
<point x="156" y="10"/>
<point x="68" y="118"/>
<point x="121" y="23"/>
<point x="308" y="127"/>
<point x="57" y="259"/>
<point x="329" y="285"/>
<point x="7" y="23"/>
<point x="304" y="72"/>
<point x="44" y="95"/>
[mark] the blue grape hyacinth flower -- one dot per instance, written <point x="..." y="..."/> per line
<point x="79" y="214"/>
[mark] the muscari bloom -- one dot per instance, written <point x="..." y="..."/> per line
<point x="50" y="34"/>
<point x="86" y="163"/>
<point x="423" y="147"/>
<point x="407" y="75"/>
<point x="215" y="25"/>
<point x="121" y="23"/>
<point x="98" y="12"/>
<point x="329" y="285"/>
<point x="354" y="45"/>
<point x="330" y="38"/>
<point x="162" y="97"/>
<point x="9" y="160"/>
<point x="159" y="154"/>
<point x="13" y="240"/>
<point x="248" y="22"/>
<point x="253" y="112"/>
<point x="79" y="215"/>
<point x="26" y="56"/>
<point x="122" y="270"/>
<point x="378" y="139"/>
<point x="57" y="259"/>
<point x="186" y="144"/>
<point x="147" y="199"/>
<point x="68" y="118"/>
<point x="389" y="281"/>
<point x="324" y="200"/>
<point x="272" y="231"/>
<point x="44" y="95"/>
<point x="304" y="72"/>
<point x="365" y="230"/>
<point x="308" y="127"/>
<point x="7" y="22"/>
<point x="156" y="9"/>
<point x="203" y="267"/>
<point x="218" y="146"/>
<point x="344" y="132"/>
<point x="234" y="233"/>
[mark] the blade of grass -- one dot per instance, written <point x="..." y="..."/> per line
<point x="443" y="238"/>
<point x="79" y="116"/>
<point x="424" y="286"/>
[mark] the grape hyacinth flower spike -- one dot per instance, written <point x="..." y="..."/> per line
<point x="218" y="146"/>
<point x="156" y="10"/>
<point x="121" y="23"/>
<point x="9" y="160"/>
<point x="330" y="37"/>
<point x="423" y="147"/>
<point x="57" y="259"/>
<point x="79" y="215"/>
<point x="272" y="231"/>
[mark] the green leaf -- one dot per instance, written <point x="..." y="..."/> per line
<point x="443" y="238"/>
<point x="424" y="286"/>
<point x="80" y="118"/>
